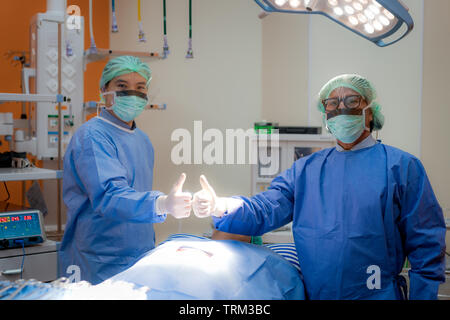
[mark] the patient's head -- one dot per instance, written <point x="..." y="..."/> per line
<point x="220" y="235"/>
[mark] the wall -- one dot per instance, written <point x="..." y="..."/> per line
<point x="221" y="86"/>
<point x="436" y="108"/>
<point x="10" y="80"/>
<point x="285" y="69"/>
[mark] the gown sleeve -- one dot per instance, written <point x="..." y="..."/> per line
<point x="263" y="212"/>
<point x="104" y="179"/>
<point x="423" y="230"/>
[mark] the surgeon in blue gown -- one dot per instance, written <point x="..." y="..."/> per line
<point x="107" y="182"/>
<point x="358" y="209"/>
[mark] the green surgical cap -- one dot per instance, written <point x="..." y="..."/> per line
<point x="358" y="84"/>
<point x="123" y="65"/>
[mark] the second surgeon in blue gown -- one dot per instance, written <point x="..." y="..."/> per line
<point x="358" y="210"/>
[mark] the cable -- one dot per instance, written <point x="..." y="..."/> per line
<point x="93" y="48"/>
<point x="165" y="17"/>
<point x="166" y="45"/>
<point x="91" y="29"/>
<point x="141" y="35"/>
<point x="114" y="27"/>
<point x="21" y="241"/>
<point x="139" y="11"/>
<point x="190" y="52"/>
<point x="190" y="19"/>
<point x="7" y="191"/>
<point x="23" y="259"/>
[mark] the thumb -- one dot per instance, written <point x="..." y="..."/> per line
<point x="178" y="186"/>
<point x="205" y="185"/>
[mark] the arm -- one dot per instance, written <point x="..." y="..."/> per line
<point x="103" y="178"/>
<point x="261" y="213"/>
<point x="423" y="229"/>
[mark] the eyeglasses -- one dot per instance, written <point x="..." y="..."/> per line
<point x="350" y="102"/>
<point x="125" y="93"/>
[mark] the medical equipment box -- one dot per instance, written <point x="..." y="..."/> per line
<point x="21" y="228"/>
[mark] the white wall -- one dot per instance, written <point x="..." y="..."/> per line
<point x="221" y="86"/>
<point x="285" y="69"/>
<point x="436" y="106"/>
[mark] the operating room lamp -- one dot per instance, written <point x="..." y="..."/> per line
<point x="384" y="22"/>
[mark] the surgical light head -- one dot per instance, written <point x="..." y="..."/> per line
<point x="383" y="22"/>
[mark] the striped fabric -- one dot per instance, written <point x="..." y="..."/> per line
<point x="286" y="250"/>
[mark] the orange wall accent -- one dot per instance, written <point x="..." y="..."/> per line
<point x="15" y="18"/>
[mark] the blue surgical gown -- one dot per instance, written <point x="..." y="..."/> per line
<point x="107" y="188"/>
<point x="356" y="216"/>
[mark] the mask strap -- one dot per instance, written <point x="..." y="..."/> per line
<point x="324" y="120"/>
<point x="113" y="93"/>
<point x="364" y="116"/>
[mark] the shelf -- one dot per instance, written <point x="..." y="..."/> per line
<point x="13" y="174"/>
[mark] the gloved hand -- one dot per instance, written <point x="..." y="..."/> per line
<point x="207" y="203"/>
<point x="177" y="203"/>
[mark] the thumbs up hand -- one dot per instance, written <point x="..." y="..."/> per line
<point x="206" y="202"/>
<point x="177" y="203"/>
